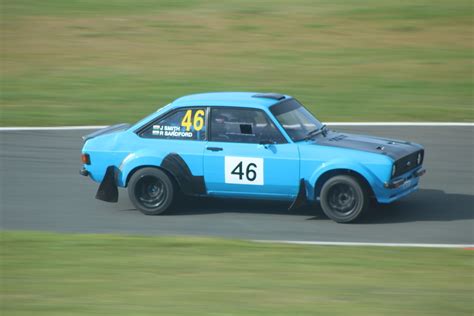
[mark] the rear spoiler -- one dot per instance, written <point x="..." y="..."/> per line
<point x="107" y="130"/>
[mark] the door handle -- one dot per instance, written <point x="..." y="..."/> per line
<point x="214" y="148"/>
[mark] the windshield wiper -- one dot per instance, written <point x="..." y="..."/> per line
<point x="321" y="130"/>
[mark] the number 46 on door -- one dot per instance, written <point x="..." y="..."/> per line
<point x="244" y="170"/>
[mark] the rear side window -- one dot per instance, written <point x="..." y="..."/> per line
<point x="185" y="124"/>
<point x="241" y="125"/>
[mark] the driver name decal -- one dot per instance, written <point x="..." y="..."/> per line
<point x="170" y="131"/>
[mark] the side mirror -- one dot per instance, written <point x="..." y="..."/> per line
<point x="267" y="142"/>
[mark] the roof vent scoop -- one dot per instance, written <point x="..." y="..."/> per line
<point x="275" y="96"/>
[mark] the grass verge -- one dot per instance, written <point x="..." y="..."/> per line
<point x="86" y="62"/>
<point x="70" y="274"/>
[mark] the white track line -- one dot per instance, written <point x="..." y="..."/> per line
<point x="400" y="124"/>
<point x="368" y="244"/>
<point x="53" y="128"/>
<point x="65" y="128"/>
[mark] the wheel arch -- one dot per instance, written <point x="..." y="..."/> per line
<point x="176" y="168"/>
<point x="131" y="172"/>
<point x="342" y="171"/>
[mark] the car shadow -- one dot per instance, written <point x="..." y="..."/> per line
<point x="195" y="206"/>
<point x="424" y="205"/>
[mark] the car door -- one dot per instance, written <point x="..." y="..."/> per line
<point x="247" y="156"/>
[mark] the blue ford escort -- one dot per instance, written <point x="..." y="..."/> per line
<point x="248" y="145"/>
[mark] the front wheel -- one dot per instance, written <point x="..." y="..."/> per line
<point x="343" y="199"/>
<point x="151" y="191"/>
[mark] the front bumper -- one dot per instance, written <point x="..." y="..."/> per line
<point x="399" y="187"/>
<point x="394" y="184"/>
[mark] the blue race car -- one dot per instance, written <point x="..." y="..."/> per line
<point x="248" y="145"/>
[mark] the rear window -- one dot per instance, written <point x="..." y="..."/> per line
<point x="184" y="124"/>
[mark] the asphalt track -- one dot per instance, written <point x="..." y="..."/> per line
<point x="42" y="190"/>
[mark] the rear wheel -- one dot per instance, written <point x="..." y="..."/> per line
<point x="343" y="199"/>
<point x="151" y="191"/>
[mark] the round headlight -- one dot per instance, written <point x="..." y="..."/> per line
<point x="418" y="159"/>
<point x="394" y="169"/>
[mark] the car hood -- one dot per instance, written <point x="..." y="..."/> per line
<point x="392" y="148"/>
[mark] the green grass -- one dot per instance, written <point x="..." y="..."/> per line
<point x="101" y="62"/>
<point x="68" y="274"/>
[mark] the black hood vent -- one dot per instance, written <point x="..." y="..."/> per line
<point x="338" y="138"/>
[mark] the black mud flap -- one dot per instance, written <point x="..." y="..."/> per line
<point x="301" y="199"/>
<point x="108" y="190"/>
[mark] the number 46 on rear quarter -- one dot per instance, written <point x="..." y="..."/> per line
<point x="248" y="145"/>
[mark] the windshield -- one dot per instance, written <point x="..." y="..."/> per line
<point x="295" y="119"/>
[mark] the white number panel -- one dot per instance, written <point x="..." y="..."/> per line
<point x="244" y="170"/>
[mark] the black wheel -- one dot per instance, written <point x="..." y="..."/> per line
<point x="151" y="191"/>
<point x="343" y="199"/>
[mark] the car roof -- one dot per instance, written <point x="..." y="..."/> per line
<point x="241" y="99"/>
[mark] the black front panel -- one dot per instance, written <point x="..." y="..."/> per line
<point x="395" y="149"/>
<point x="408" y="163"/>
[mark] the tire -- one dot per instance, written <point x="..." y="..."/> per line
<point x="343" y="199"/>
<point x="151" y="191"/>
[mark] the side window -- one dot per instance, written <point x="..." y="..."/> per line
<point x="243" y="126"/>
<point x="186" y="124"/>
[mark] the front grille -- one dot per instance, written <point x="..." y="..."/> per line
<point x="408" y="163"/>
